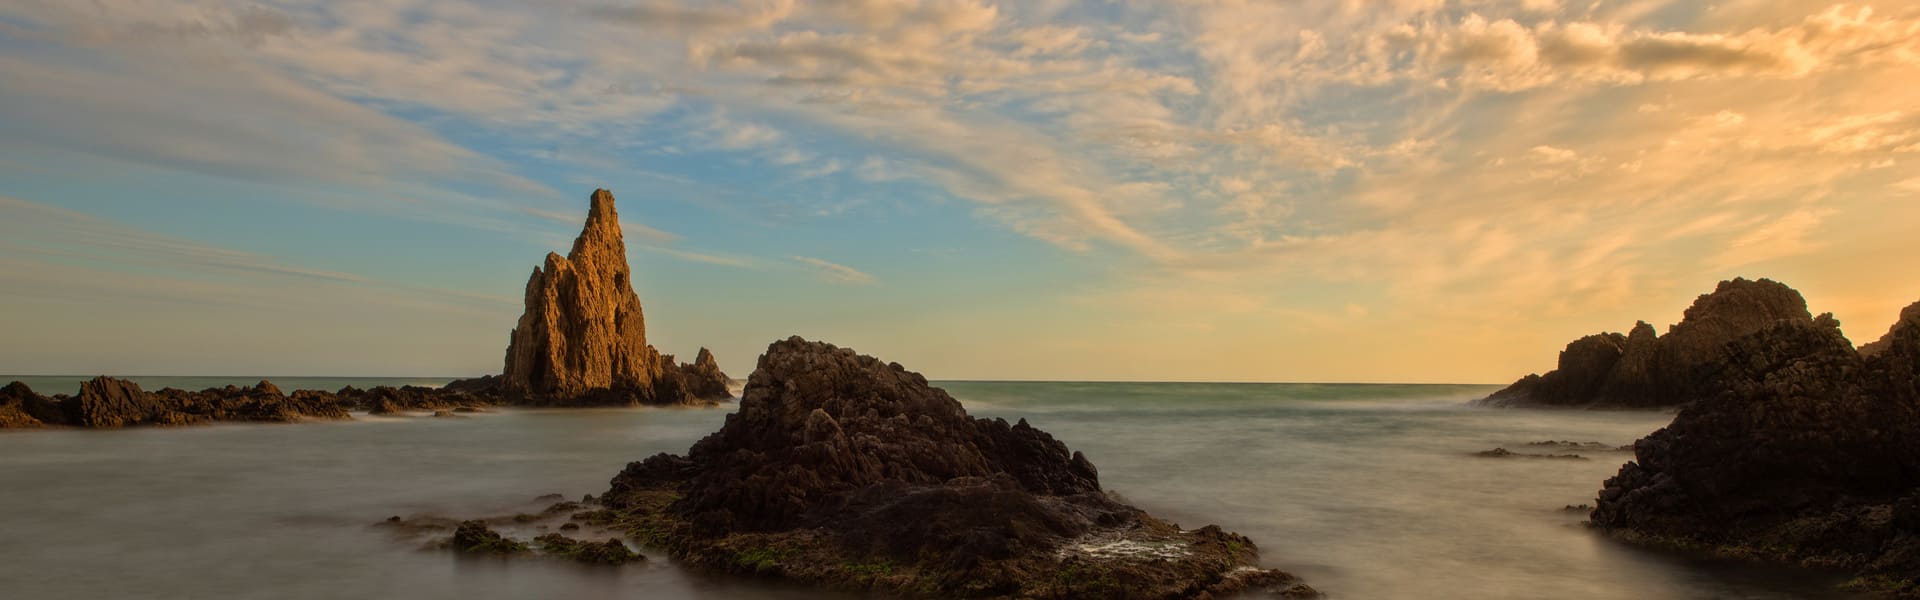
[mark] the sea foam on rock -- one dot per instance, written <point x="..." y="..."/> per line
<point x="844" y="472"/>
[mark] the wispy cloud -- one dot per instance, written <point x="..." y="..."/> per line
<point x="835" y="272"/>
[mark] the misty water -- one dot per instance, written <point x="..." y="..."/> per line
<point x="1366" y="491"/>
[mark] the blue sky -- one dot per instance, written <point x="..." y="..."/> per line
<point x="1393" y="190"/>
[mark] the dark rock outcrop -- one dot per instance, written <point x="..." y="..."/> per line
<point x="1909" y="316"/>
<point x="1806" y="453"/>
<point x="20" y="407"/>
<point x="844" y="472"/>
<point x="109" y="402"/>
<point x="1645" y="370"/>
<point x="106" y="402"/>
<point x="703" y="377"/>
<point x="583" y="339"/>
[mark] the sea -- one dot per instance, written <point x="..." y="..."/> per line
<point x="1366" y="491"/>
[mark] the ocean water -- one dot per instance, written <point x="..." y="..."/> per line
<point x="1367" y="491"/>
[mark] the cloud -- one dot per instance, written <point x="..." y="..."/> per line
<point x="47" y="240"/>
<point x="835" y="272"/>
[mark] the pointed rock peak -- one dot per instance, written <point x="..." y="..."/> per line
<point x="601" y="208"/>
<point x="704" y="358"/>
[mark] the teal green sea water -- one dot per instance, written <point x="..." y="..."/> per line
<point x="1367" y="491"/>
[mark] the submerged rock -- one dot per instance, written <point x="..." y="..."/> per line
<point x="1645" y="370"/>
<point x="844" y="472"/>
<point x="607" y="552"/>
<point x="1806" y="453"/>
<point x="474" y="537"/>
<point x="583" y="339"/>
<point x="1505" y="453"/>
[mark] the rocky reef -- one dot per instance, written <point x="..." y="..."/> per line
<point x="1805" y="452"/>
<point x="106" y="402"/>
<point x="1641" y="369"/>
<point x="843" y="472"/>
<point x="583" y="341"/>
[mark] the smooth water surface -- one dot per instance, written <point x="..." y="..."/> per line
<point x="1367" y="491"/>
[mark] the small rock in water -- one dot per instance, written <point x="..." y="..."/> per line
<point x="473" y="537"/>
<point x="1505" y="453"/>
<point x="609" y="552"/>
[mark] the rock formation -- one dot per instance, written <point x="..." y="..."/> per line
<point x="106" y="402"/>
<point x="1645" y="370"/>
<point x="704" y="378"/>
<point x="1908" y="316"/>
<point x="1805" y="453"/>
<point x="582" y="339"/>
<point x="844" y="472"/>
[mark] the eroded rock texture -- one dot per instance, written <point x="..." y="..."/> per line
<point x="1806" y="452"/>
<point x="1645" y="370"/>
<point x="582" y="339"/>
<point x="845" y="472"/>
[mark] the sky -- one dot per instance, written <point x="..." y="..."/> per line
<point x="1338" y="190"/>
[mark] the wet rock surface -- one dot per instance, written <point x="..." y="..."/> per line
<point x="844" y="472"/>
<point x="1806" y="453"/>
<point x="1644" y="370"/>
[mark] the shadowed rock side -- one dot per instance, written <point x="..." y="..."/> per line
<point x="1644" y="370"/>
<point x="1908" y="316"/>
<point x="1807" y="453"/>
<point x="844" y="472"/>
<point x="106" y="402"/>
<point x="583" y="340"/>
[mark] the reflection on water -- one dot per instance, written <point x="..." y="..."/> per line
<point x="1367" y="491"/>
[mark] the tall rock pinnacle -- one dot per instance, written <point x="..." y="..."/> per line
<point x="582" y="339"/>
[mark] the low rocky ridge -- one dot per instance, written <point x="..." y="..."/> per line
<point x="1641" y="369"/>
<point x="843" y="472"/>
<point x="1807" y="452"/>
<point x="106" y="402"/>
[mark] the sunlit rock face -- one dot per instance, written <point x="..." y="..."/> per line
<point x="1645" y="370"/>
<point x="582" y="339"/>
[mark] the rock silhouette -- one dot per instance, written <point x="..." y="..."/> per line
<point x="1806" y="452"/>
<point x="1644" y="370"/>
